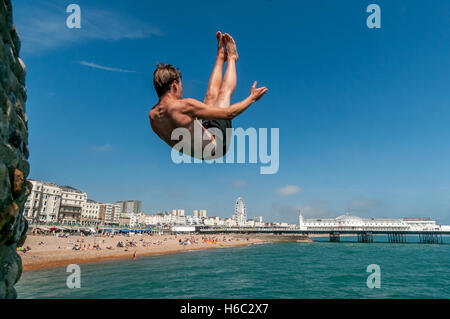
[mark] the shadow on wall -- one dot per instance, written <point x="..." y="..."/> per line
<point x="14" y="167"/>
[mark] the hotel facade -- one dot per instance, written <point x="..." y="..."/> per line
<point x="43" y="203"/>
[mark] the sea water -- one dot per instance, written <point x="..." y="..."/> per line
<point x="279" y="270"/>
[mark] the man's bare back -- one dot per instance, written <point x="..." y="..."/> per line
<point x="166" y="116"/>
<point x="172" y="111"/>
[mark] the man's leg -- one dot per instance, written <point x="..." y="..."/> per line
<point x="230" y="80"/>
<point x="220" y="127"/>
<point x="215" y="81"/>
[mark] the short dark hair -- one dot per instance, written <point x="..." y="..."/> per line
<point x="164" y="76"/>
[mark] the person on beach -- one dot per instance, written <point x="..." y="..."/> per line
<point x="212" y="118"/>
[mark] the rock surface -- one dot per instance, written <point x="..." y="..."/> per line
<point x="14" y="167"/>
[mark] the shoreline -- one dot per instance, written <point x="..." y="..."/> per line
<point x="51" y="251"/>
<point x="81" y="260"/>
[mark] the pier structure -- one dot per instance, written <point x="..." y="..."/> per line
<point x="431" y="238"/>
<point x="396" y="230"/>
<point x="365" y="237"/>
<point x="365" y="228"/>
<point x="335" y="237"/>
<point x="397" y="237"/>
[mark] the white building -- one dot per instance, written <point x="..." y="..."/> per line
<point x="281" y="225"/>
<point x="142" y="220"/>
<point x="90" y="214"/>
<point x="43" y="203"/>
<point x="165" y="219"/>
<point x="152" y="220"/>
<point x="213" y="221"/>
<point x="183" y="229"/>
<point x="129" y="207"/>
<point x="134" y="220"/>
<point x="117" y="211"/>
<point x="180" y="220"/>
<point x="231" y="222"/>
<point x="348" y="222"/>
<point x="255" y="222"/>
<point x="178" y="212"/>
<point x="194" y="220"/>
<point x="421" y="224"/>
<point x="250" y="223"/>
<point x="200" y="213"/>
<point x="72" y="202"/>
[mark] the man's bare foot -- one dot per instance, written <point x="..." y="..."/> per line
<point x="220" y="49"/>
<point x="230" y="45"/>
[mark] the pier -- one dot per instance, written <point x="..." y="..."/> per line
<point x="362" y="235"/>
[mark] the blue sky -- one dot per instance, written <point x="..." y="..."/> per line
<point x="363" y="113"/>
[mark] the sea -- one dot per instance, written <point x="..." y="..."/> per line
<point x="322" y="270"/>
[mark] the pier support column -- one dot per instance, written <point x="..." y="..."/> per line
<point x="397" y="238"/>
<point x="365" y="237"/>
<point x="335" y="237"/>
<point x="431" y="238"/>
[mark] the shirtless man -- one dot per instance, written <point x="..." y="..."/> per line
<point x="212" y="117"/>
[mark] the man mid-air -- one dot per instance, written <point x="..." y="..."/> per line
<point x="212" y="116"/>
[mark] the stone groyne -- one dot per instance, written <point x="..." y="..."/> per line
<point x="14" y="167"/>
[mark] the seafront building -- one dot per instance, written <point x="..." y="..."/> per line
<point x="90" y="214"/>
<point x="43" y="203"/>
<point x="130" y="207"/>
<point x="194" y="220"/>
<point x="178" y="212"/>
<point x="200" y="213"/>
<point x="110" y="214"/>
<point x="72" y="202"/>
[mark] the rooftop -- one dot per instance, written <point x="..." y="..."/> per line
<point x="71" y="189"/>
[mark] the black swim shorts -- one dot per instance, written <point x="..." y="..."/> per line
<point x="221" y="125"/>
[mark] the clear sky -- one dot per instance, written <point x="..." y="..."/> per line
<point x="363" y="113"/>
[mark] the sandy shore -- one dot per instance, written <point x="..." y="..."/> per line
<point x="47" y="251"/>
<point x="52" y="251"/>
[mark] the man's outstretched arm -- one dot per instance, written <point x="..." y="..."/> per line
<point x="207" y="112"/>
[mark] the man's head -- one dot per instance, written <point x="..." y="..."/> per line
<point x="167" y="78"/>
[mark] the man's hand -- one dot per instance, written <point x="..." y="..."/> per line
<point x="257" y="93"/>
<point x="197" y="109"/>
